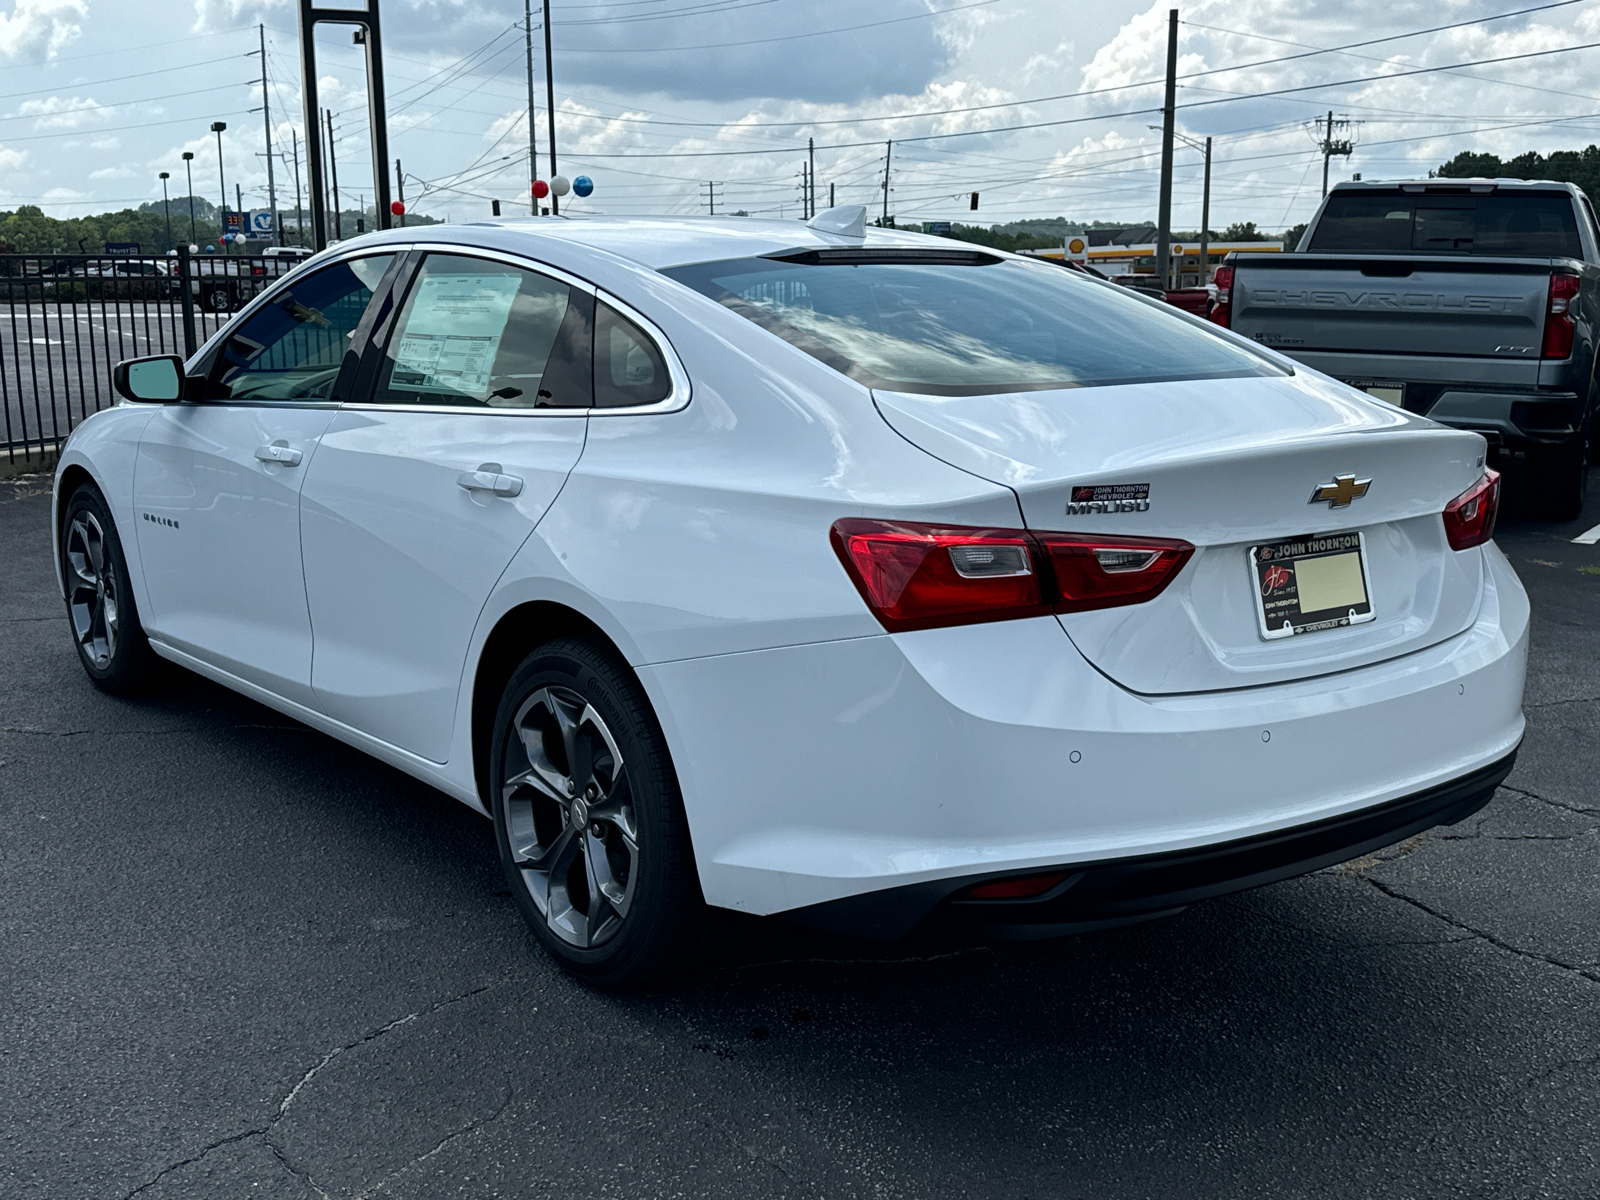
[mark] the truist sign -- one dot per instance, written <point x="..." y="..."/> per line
<point x="1109" y="498"/>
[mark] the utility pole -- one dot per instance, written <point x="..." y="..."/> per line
<point x="888" y="157"/>
<point x="299" y="219"/>
<point x="400" y="191"/>
<point x="1330" y="146"/>
<point x="711" y="196"/>
<point x="1168" y="112"/>
<point x="266" y="118"/>
<point x="533" y="147"/>
<point x="811" y="177"/>
<point x="333" y="175"/>
<point x="830" y="195"/>
<point x="805" y="208"/>
<point x="188" y="169"/>
<point x="1205" y="221"/>
<point x="550" y="103"/>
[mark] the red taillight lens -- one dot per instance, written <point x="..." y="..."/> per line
<point x="1103" y="572"/>
<point x="916" y="576"/>
<point x="1222" y="314"/>
<point x="1025" y="888"/>
<point x="1469" y="518"/>
<point x="1558" y="323"/>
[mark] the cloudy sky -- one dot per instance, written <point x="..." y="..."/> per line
<point x="1043" y="108"/>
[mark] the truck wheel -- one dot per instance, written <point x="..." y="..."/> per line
<point x="1558" y="478"/>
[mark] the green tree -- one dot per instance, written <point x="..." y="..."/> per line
<point x="1581" y="167"/>
<point x="1244" y="231"/>
<point x="1292" y="236"/>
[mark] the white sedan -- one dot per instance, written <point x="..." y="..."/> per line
<point x="867" y="578"/>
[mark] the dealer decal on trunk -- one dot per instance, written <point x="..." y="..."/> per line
<point x="1109" y="498"/>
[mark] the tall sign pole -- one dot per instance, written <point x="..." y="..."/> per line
<point x="1205" y="222"/>
<point x="312" y="15"/>
<point x="1168" y="112"/>
<point x="550" y="102"/>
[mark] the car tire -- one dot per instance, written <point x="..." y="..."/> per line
<point x="589" y="820"/>
<point x="1558" y="477"/>
<point x="217" y="300"/>
<point x="101" y="610"/>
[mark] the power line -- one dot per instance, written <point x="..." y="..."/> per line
<point x="788" y="37"/>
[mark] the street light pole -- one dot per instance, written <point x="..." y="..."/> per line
<point x="222" y="213"/>
<point x="166" y="208"/>
<point x="188" y="168"/>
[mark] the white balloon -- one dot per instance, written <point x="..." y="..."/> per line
<point x="560" y="184"/>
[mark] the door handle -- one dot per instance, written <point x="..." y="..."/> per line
<point x="490" y="477"/>
<point x="279" y="452"/>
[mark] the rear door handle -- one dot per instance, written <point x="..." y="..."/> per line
<point x="279" y="452"/>
<point x="490" y="477"/>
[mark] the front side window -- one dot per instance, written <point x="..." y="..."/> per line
<point x="481" y="334"/>
<point x="293" y="346"/>
<point x="964" y="325"/>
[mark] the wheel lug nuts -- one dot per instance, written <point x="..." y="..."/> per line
<point x="597" y="829"/>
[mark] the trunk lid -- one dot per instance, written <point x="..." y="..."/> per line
<point x="1225" y="464"/>
<point x="1456" y="306"/>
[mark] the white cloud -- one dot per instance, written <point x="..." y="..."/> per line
<point x="64" y="112"/>
<point x="11" y="160"/>
<point x="39" y="28"/>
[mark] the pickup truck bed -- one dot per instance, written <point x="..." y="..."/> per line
<point x="1503" y="344"/>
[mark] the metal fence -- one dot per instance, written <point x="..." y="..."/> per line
<point x="67" y="319"/>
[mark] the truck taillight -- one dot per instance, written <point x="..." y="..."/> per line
<point x="1558" y="323"/>
<point x="1469" y="518"/>
<point x="1222" y="313"/>
<point x="916" y="576"/>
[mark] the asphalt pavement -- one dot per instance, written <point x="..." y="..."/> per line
<point x="242" y="960"/>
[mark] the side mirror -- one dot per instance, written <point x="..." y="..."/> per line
<point x="154" y="380"/>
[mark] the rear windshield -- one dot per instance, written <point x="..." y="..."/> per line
<point x="1510" y="224"/>
<point x="953" y="328"/>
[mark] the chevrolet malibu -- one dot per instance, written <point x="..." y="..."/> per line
<point x="866" y="578"/>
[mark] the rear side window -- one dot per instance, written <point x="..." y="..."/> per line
<point x="942" y="326"/>
<point x="1509" y="224"/>
<point x="628" y="367"/>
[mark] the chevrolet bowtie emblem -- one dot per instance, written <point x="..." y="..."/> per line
<point x="1341" y="491"/>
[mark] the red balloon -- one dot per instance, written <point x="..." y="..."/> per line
<point x="541" y="189"/>
<point x="397" y="207"/>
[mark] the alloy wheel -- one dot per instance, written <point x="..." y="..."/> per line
<point x="92" y="589"/>
<point x="569" y="815"/>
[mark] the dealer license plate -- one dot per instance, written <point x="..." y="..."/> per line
<point x="1311" y="583"/>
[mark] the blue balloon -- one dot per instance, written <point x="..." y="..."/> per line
<point x="582" y="185"/>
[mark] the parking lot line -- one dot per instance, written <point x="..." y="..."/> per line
<point x="1588" y="537"/>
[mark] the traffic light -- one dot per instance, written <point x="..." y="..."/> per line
<point x="974" y="205"/>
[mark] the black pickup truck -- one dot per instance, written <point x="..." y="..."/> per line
<point x="1472" y="301"/>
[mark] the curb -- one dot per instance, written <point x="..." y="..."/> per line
<point x="33" y="460"/>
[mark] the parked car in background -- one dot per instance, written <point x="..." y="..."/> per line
<point x="226" y="282"/>
<point x="1474" y="302"/>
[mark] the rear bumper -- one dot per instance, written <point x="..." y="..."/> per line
<point x="1518" y="405"/>
<point x="1099" y="895"/>
<point x="816" y="773"/>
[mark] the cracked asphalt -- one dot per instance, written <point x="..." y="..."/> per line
<point x="241" y="960"/>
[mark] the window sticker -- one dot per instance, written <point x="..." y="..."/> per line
<point x="453" y="333"/>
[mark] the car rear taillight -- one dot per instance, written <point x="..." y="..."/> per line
<point x="1469" y="518"/>
<point x="916" y="576"/>
<point x="1105" y="572"/>
<point x="1558" y="322"/>
<point x="1222" y="312"/>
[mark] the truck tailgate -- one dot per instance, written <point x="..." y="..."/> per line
<point x="1428" y="305"/>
